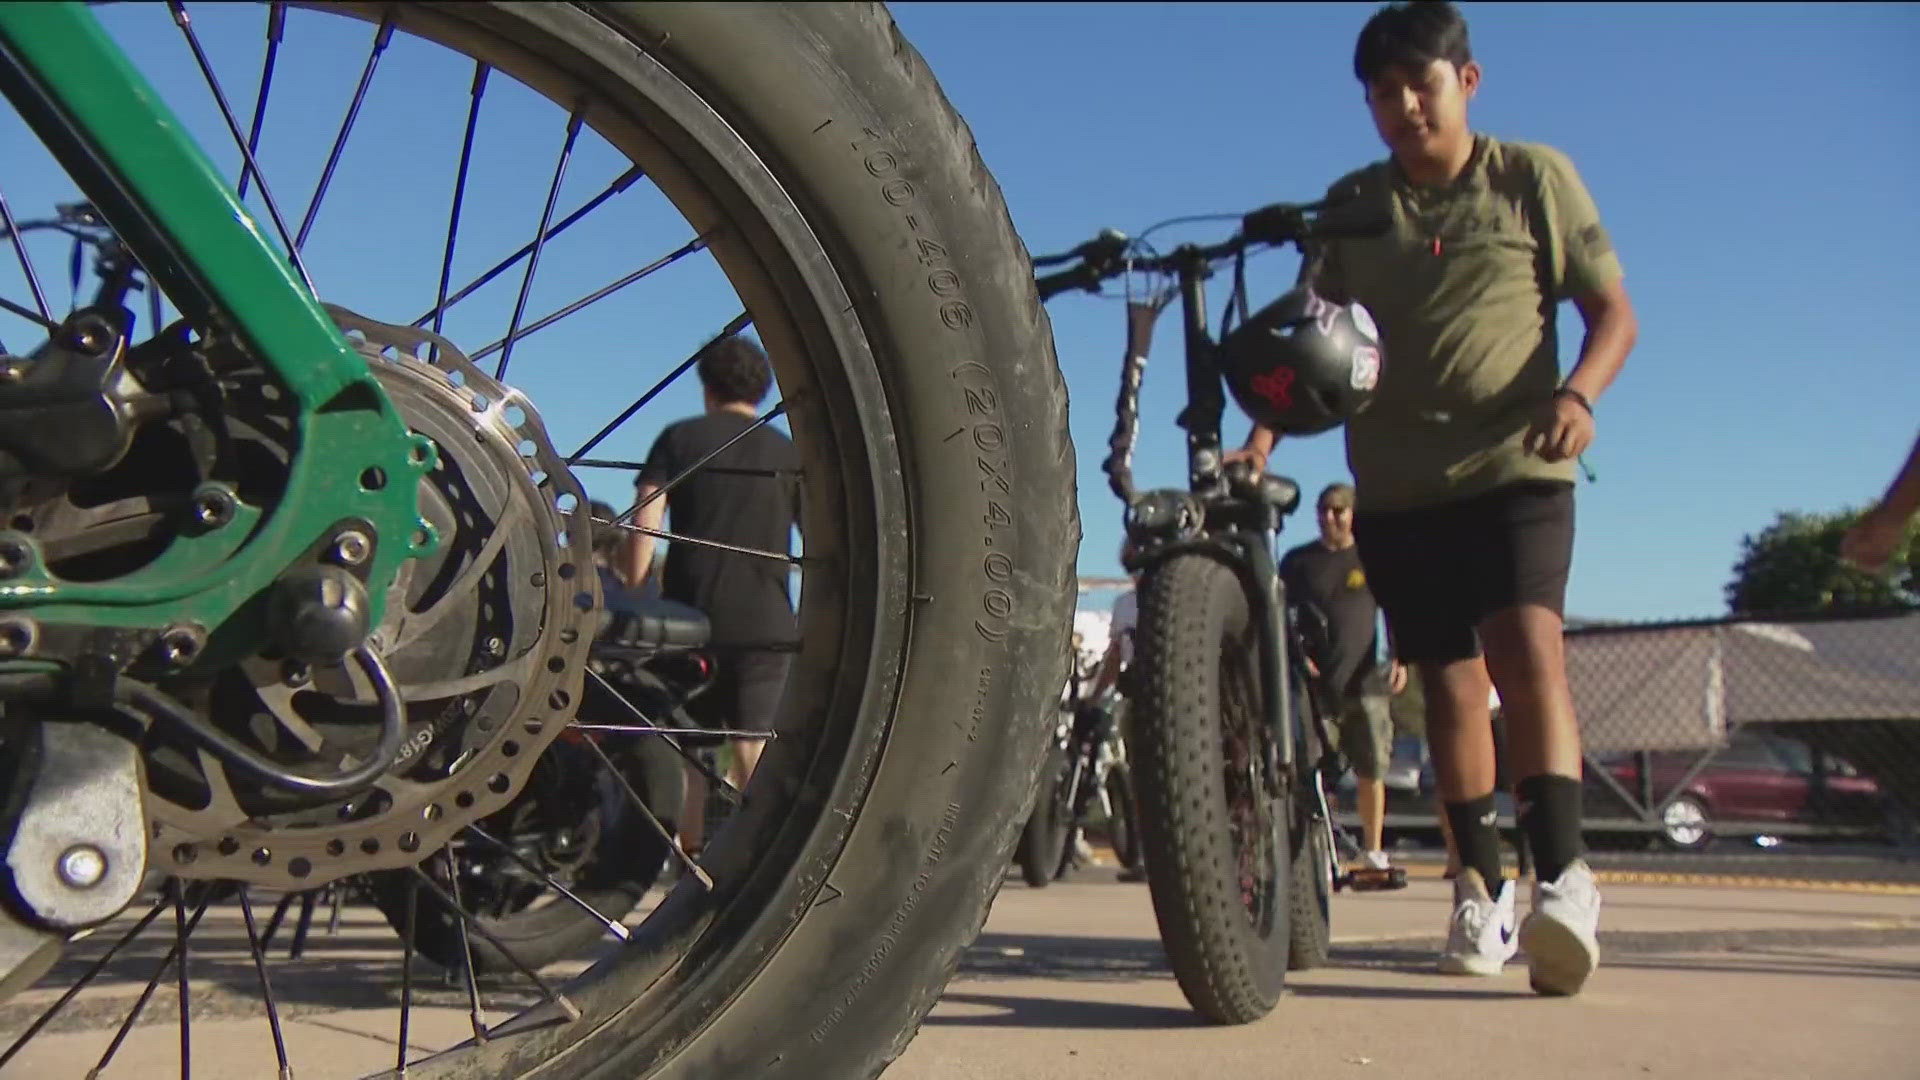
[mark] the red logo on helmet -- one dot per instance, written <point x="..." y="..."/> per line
<point x="1276" y="386"/>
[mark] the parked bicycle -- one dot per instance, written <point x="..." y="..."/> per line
<point x="1087" y="780"/>
<point x="1230" y="753"/>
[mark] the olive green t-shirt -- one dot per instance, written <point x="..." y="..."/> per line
<point x="1465" y="290"/>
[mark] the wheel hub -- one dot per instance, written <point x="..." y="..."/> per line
<point x="486" y="639"/>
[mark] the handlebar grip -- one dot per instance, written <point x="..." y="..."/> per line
<point x="1099" y="251"/>
<point x="1351" y="222"/>
<point x="1284" y="223"/>
<point x="1277" y="224"/>
<point x="1052" y="285"/>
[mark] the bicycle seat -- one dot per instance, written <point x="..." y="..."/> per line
<point x="1279" y="492"/>
<point x="633" y="621"/>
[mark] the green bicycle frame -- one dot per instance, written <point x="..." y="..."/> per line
<point x="355" y="460"/>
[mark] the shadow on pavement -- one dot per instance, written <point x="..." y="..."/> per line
<point x="1039" y="1012"/>
<point x="1059" y="956"/>
<point x="1445" y="989"/>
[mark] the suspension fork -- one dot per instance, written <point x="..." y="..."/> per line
<point x="1205" y="398"/>
<point x="1261" y="577"/>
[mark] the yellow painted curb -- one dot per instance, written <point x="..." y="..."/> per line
<point x="1433" y="871"/>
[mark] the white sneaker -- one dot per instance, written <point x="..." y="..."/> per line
<point x="1561" y="934"/>
<point x="1480" y="936"/>
<point x="1375" y="860"/>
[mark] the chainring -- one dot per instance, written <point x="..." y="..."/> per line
<point x="486" y="638"/>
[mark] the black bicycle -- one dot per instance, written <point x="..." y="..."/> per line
<point x="1230" y="753"/>
<point x="1086" y="782"/>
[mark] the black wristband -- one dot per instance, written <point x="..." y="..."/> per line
<point x="1568" y="391"/>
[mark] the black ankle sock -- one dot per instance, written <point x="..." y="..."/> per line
<point x="1476" y="834"/>
<point x="1549" y="811"/>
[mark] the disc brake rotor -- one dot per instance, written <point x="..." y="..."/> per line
<point x="486" y="639"/>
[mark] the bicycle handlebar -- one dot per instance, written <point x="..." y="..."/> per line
<point x="1104" y="257"/>
<point x="1341" y="216"/>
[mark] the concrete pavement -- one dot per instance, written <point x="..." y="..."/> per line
<point x="1070" y="981"/>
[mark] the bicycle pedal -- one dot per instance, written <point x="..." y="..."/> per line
<point x="1371" y="880"/>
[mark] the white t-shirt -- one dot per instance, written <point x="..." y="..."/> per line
<point x="1091" y="627"/>
<point x="1126" y="615"/>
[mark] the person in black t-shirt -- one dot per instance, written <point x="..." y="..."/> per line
<point x="747" y="496"/>
<point x="609" y="546"/>
<point x="1326" y="574"/>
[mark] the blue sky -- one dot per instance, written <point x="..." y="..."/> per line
<point x="1755" y="164"/>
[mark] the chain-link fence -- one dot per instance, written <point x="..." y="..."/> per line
<point x="1783" y="747"/>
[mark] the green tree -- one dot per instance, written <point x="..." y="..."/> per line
<point x="1794" y="565"/>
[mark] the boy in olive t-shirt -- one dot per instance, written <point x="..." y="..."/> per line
<point x="1463" y="464"/>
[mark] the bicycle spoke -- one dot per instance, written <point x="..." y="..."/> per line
<point x="159" y="971"/>
<point x="26" y="264"/>
<point x="30" y="315"/>
<point x="623" y="729"/>
<point x="469" y="920"/>
<point x="459" y="190"/>
<point x="646" y="812"/>
<point x="276" y="29"/>
<point x="181" y="969"/>
<point x="779" y="409"/>
<point x="620" y="183"/>
<point x="406" y="974"/>
<point x="734" y="326"/>
<point x="380" y="39"/>
<point x="540" y="239"/>
<point x="662" y="534"/>
<point x="712" y="470"/>
<point x="728" y="791"/>
<point x="608" y="463"/>
<point x="507" y="343"/>
<point x="81" y="983"/>
<point x="613" y="926"/>
<point x="266" y="986"/>
<point x="273" y="921"/>
<point x="154" y="311"/>
<point x="476" y="1014"/>
<point x="182" y="20"/>
<point x="298" y="946"/>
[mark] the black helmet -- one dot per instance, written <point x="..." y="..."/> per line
<point x="1303" y="364"/>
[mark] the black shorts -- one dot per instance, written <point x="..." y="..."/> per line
<point x="745" y="693"/>
<point x="1439" y="571"/>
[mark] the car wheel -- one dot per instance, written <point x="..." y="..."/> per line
<point x="1684" y="825"/>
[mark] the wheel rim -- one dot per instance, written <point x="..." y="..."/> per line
<point x="769" y="265"/>
<point x="1685" y="821"/>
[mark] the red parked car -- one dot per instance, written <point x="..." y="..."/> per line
<point x="1759" y="784"/>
